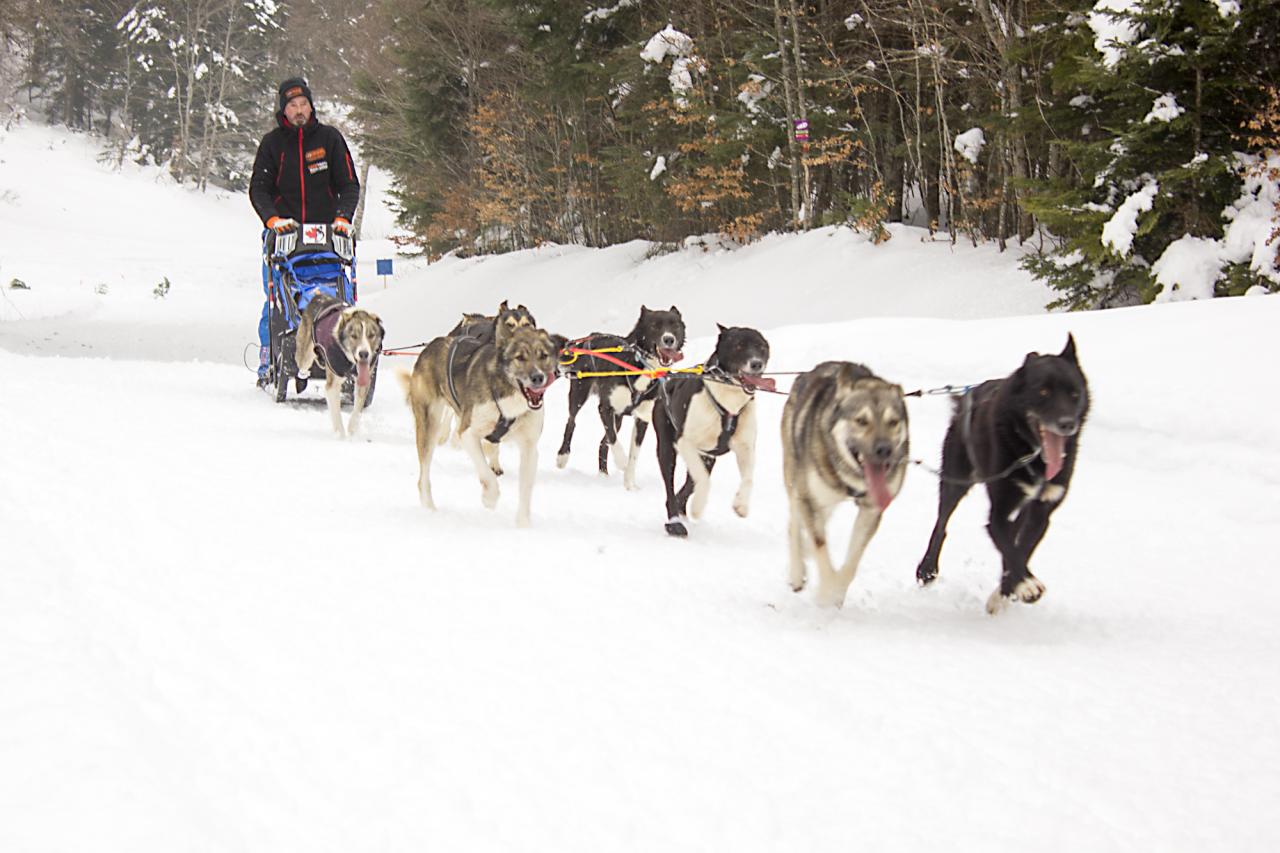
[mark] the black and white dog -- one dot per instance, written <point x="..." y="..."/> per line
<point x="700" y="418"/>
<point x="1018" y="435"/>
<point x="655" y="342"/>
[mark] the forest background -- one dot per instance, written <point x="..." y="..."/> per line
<point x="1133" y="143"/>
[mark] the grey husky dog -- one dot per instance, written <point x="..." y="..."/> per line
<point x="495" y="390"/>
<point x="844" y="437"/>
<point x="345" y="340"/>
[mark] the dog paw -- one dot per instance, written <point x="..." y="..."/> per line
<point x="630" y="484"/>
<point x="489" y="494"/>
<point x="522" y="520"/>
<point x="829" y="596"/>
<point x="698" y="505"/>
<point x="1029" y="590"/>
<point x="926" y="573"/>
<point x="675" y="527"/>
<point x="562" y="460"/>
<point x="742" y="508"/>
<point x="796" y="580"/>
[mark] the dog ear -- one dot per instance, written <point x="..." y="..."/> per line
<point x="722" y="328"/>
<point x="501" y="332"/>
<point x="503" y="307"/>
<point x="1069" y="351"/>
<point x="644" y="309"/>
<point x="674" y="310"/>
<point x="845" y="376"/>
<point x="558" y="341"/>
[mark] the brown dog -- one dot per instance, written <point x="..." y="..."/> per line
<point x="495" y="390"/>
<point x="844" y="437"/>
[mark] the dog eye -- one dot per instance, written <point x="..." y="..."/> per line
<point x="862" y="421"/>
<point x="1044" y="392"/>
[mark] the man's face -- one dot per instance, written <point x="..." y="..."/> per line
<point x="298" y="111"/>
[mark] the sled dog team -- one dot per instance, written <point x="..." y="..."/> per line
<point x="844" y="430"/>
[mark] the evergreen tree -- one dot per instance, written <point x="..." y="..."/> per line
<point x="1149" y="99"/>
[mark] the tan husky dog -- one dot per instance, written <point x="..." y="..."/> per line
<point x="345" y="340"/>
<point x="844" y="437"/>
<point x="495" y="391"/>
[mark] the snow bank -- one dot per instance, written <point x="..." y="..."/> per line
<point x="1254" y="217"/>
<point x="195" y="646"/>
<point x="1188" y="269"/>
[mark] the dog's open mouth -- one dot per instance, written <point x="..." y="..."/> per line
<point x="668" y="357"/>
<point x="752" y="381"/>
<point x="876" y="476"/>
<point x="533" y="394"/>
<point x="1052" y="450"/>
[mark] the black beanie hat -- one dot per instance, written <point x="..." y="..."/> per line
<point x="292" y="88"/>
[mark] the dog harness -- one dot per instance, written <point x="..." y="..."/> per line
<point x="500" y="428"/>
<point x="728" y="420"/>
<point x="504" y="422"/>
<point x="325" y="338"/>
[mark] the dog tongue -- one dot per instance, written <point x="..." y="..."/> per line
<point x="877" y="486"/>
<point x="362" y="375"/>
<point x="764" y="382"/>
<point x="669" y="356"/>
<point x="1051" y="446"/>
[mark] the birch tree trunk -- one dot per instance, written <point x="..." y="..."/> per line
<point x="793" y="150"/>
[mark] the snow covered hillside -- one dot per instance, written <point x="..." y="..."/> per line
<point x="221" y="629"/>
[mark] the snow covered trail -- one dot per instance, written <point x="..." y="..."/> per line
<point x="220" y="625"/>
<point x="223" y="630"/>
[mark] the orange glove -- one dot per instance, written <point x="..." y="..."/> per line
<point x="341" y="226"/>
<point x="281" y="225"/>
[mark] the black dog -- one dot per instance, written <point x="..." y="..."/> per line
<point x="700" y="418"/>
<point x="1019" y="436"/>
<point x="655" y="342"/>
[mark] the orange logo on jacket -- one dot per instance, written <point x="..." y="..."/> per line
<point x="315" y="154"/>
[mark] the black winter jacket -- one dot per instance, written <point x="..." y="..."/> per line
<point x="304" y="173"/>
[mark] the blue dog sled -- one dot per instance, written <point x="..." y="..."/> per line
<point x="310" y="260"/>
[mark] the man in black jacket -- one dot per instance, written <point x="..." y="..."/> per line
<point x="303" y="173"/>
